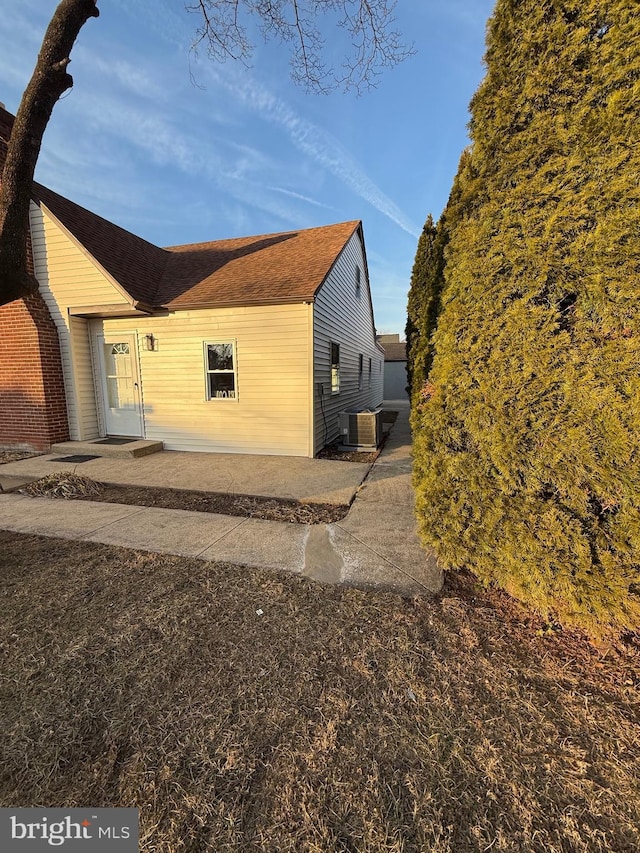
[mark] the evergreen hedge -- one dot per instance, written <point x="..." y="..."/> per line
<point x="424" y="302"/>
<point x="527" y="438"/>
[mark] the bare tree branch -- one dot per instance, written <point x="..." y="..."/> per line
<point x="220" y="31"/>
<point x="369" y="25"/>
<point x="49" y="80"/>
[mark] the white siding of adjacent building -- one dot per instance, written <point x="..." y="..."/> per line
<point x="395" y="380"/>
<point x="343" y="316"/>
<point x="68" y="278"/>
<point x="272" y="411"/>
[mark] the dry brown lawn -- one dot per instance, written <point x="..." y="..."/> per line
<point x="333" y="720"/>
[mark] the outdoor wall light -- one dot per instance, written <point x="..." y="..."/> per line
<point x="149" y="343"/>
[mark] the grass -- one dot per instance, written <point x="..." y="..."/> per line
<point x="15" y="455"/>
<point x="334" y="720"/>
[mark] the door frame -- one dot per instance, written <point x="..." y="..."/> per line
<point x="102" y="377"/>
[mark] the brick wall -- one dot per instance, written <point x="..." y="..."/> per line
<point x="33" y="413"/>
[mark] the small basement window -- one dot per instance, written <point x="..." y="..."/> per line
<point x="335" y="368"/>
<point x="220" y="369"/>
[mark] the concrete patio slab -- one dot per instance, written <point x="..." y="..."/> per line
<point x="166" y="531"/>
<point x="309" y="480"/>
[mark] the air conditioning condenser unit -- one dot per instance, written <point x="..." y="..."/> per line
<point x="361" y="430"/>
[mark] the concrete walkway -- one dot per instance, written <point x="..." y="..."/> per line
<point x="375" y="546"/>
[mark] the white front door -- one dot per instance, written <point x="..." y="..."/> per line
<point x="120" y="384"/>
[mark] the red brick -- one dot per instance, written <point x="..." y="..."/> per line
<point x="33" y="411"/>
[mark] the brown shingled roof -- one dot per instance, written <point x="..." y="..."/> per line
<point x="268" y="268"/>
<point x="264" y="269"/>
<point x="395" y="352"/>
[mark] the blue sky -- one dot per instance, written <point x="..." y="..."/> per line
<point x="245" y="151"/>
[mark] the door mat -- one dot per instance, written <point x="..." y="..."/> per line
<point x="115" y="441"/>
<point x="77" y="458"/>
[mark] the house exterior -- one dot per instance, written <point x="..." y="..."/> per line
<point x="248" y="345"/>
<point x="395" y="367"/>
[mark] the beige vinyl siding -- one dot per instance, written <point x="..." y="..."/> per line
<point x="84" y="385"/>
<point x="343" y="316"/>
<point x="68" y="278"/>
<point x="271" y="412"/>
<point x="74" y="279"/>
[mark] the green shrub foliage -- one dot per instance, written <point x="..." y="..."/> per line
<point x="527" y="436"/>
<point x="415" y="303"/>
<point x="424" y="302"/>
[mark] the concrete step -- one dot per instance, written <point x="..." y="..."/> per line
<point x="131" y="450"/>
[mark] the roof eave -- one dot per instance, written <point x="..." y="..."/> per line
<point x="357" y="227"/>
<point x="237" y="303"/>
<point x="115" y="310"/>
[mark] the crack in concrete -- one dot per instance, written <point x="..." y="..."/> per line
<point x="220" y="538"/>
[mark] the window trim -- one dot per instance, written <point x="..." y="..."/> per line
<point x="207" y="372"/>
<point x="335" y="368"/>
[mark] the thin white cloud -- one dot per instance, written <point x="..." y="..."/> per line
<point x="315" y="142"/>
<point x="304" y="198"/>
<point x="193" y="154"/>
<point x="132" y="78"/>
<point x="161" y="17"/>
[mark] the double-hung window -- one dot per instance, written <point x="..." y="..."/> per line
<point x="360" y="371"/>
<point x="220" y="369"/>
<point x="335" y="368"/>
<point x="370" y="365"/>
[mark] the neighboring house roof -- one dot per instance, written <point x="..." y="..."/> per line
<point x="264" y="269"/>
<point x="395" y="351"/>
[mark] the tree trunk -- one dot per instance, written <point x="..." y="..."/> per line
<point x="50" y="79"/>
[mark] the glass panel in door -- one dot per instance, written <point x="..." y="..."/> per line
<point x="121" y="387"/>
